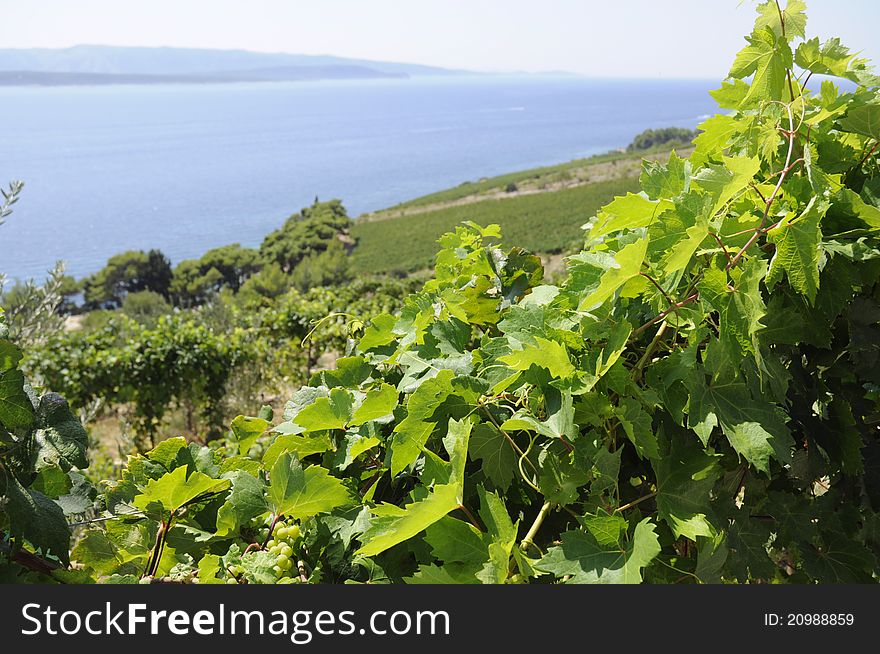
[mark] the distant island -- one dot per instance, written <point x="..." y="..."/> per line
<point x="101" y="65"/>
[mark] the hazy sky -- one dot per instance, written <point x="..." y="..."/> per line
<point x="617" y="38"/>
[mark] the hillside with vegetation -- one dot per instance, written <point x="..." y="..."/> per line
<point x="693" y="397"/>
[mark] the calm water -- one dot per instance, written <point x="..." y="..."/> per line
<point x="187" y="168"/>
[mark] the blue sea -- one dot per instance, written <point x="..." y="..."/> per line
<point x="185" y="168"/>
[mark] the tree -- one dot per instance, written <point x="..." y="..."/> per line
<point x="269" y="283"/>
<point x="311" y="231"/>
<point x="664" y="136"/>
<point x="126" y="273"/>
<point x="327" y="268"/>
<point x="224" y="267"/>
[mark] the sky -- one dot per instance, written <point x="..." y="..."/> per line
<point x="601" y="38"/>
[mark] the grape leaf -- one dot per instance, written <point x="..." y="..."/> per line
<point x="797" y="250"/>
<point x="497" y="455"/>
<point x="175" y="490"/>
<point x="685" y="478"/>
<point x="864" y="119"/>
<point x="387" y="531"/>
<point x="16" y="409"/>
<point x="246" y="500"/>
<point x="247" y="430"/>
<point x="300" y="494"/>
<point x="584" y="560"/>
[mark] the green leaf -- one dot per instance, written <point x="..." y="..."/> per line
<point x="711" y="559"/>
<point x="546" y="354"/>
<point x="716" y="132"/>
<point x="608" y="530"/>
<point x="792" y="22"/>
<point x="456" y="443"/>
<point x="864" y="119"/>
<point x="430" y="406"/>
<point x="301" y="446"/>
<point x="51" y="482"/>
<point x="831" y="58"/>
<point x="96" y="551"/>
<point x="840" y="561"/>
<point x="747" y="540"/>
<point x="61" y="439"/>
<point x="433" y="575"/>
<point x="259" y="567"/>
<point x="685" y="479"/>
<point x="456" y="541"/>
<point x="797" y="250"/>
<point x="166" y="452"/>
<point x="300" y="494"/>
<point x="637" y="425"/>
<point x="496" y="518"/>
<point x="10" y="355"/>
<point x="497" y="455"/>
<point x="389" y="530"/>
<point x="755" y="429"/>
<point x="766" y="58"/>
<point x="247" y="430"/>
<point x="246" y="501"/>
<point x="354" y="446"/>
<point x="379" y="403"/>
<point x="174" y="490"/>
<point x="724" y="181"/>
<point x="667" y="180"/>
<point x="628" y="263"/>
<point x="379" y="333"/>
<point x="585" y="560"/>
<point x="37" y="518"/>
<point x="631" y="211"/>
<point x="333" y="412"/>
<point x="739" y="308"/>
<point x="16" y="409"/>
<point x="559" y="478"/>
<point x="350" y="372"/>
<point x="209" y="567"/>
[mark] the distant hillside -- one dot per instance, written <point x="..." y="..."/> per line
<point x="277" y="74"/>
<point x="541" y="209"/>
<point x="97" y="64"/>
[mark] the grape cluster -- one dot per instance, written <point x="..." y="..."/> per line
<point x="281" y="545"/>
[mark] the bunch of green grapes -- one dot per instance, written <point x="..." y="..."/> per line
<point x="281" y="545"/>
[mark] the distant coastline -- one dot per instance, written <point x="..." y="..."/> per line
<point x="108" y="65"/>
<point x="281" y="74"/>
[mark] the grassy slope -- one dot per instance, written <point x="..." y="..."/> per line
<point x="540" y="222"/>
<point x="544" y="214"/>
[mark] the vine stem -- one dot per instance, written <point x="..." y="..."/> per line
<point x="510" y="440"/>
<point x="257" y="546"/>
<point x="767" y="205"/>
<point x="721" y="243"/>
<point x="635" y="502"/>
<point x="637" y="371"/>
<point x="870" y="152"/>
<point x="161" y="534"/>
<point x="675" y="307"/>
<point x="536" y="525"/>
<point x="782" y="28"/>
<point x="659" y="288"/>
<point x="470" y="517"/>
<point x="29" y="560"/>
